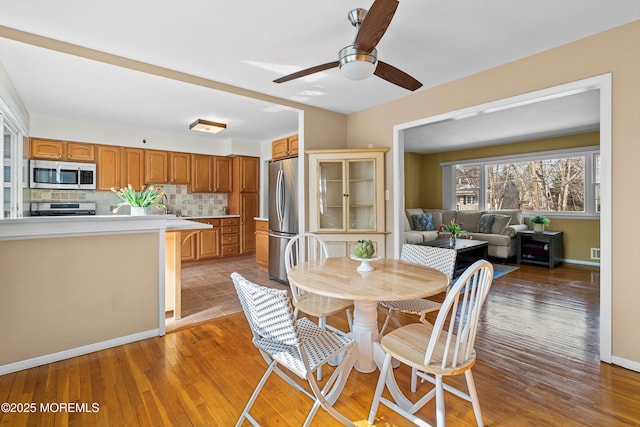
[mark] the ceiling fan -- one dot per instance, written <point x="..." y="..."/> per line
<point x="359" y="60"/>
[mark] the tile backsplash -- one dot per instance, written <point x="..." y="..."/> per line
<point x="178" y="202"/>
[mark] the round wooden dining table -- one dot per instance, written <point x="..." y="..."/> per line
<point x="391" y="280"/>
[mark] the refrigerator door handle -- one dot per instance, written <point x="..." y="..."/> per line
<point x="280" y="196"/>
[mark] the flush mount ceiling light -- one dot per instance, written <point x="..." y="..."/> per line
<point x="207" y="126"/>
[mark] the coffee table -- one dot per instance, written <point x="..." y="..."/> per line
<point x="468" y="251"/>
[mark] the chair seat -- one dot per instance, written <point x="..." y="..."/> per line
<point x="320" y="306"/>
<point x="319" y="344"/>
<point x="408" y="344"/>
<point x="412" y="306"/>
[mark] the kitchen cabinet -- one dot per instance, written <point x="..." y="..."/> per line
<point x="108" y="167"/>
<point x="244" y="199"/>
<point x="222" y="174"/>
<point x="262" y="244"/>
<point x="346" y="197"/>
<point x="200" y="174"/>
<point x="210" y="174"/>
<point x="52" y="149"/>
<point x="284" y="148"/>
<point x="132" y="167"/>
<point x="230" y="236"/>
<point x="246" y="171"/>
<point x="209" y="240"/>
<point x="179" y="168"/>
<point x="248" y="211"/>
<point x="222" y="240"/>
<point x="202" y="244"/>
<point x="119" y="167"/>
<point x="156" y="167"/>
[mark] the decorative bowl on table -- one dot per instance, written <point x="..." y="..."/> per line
<point x="365" y="263"/>
<point x="363" y="251"/>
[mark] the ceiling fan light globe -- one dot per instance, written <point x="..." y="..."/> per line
<point x="356" y="64"/>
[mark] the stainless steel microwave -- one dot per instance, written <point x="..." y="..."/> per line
<point x="62" y="175"/>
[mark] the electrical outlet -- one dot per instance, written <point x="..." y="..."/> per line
<point x="595" y="253"/>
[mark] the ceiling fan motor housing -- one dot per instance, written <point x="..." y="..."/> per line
<point x="357" y="64"/>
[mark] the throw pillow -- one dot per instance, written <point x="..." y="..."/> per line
<point x="485" y="223"/>
<point x="422" y="222"/>
<point x="500" y="223"/>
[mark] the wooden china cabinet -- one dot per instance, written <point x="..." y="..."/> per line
<point x="346" y="198"/>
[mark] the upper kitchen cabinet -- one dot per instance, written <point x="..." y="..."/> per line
<point x="179" y="168"/>
<point x="156" y="167"/>
<point x="222" y="174"/>
<point x="284" y="148"/>
<point x="108" y="167"/>
<point x="210" y="174"/>
<point x="246" y="174"/>
<point x="346" y="197"/>
<point x="52" y="149"/>
<point x="132" y="167"/>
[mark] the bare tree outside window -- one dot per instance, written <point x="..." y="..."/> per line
<point x="550" y="185"/>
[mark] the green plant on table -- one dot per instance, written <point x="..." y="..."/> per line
<point x="147" y="196"/>
<point x="453" y="228"/>
<point x="539" y="219"/>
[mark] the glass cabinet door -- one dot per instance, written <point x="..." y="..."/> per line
<point x="331" y="211"/>
<point x="361" y="195"/>
<point x="8" y="197"/>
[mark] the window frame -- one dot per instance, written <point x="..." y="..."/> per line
<point x="588" y="153"/>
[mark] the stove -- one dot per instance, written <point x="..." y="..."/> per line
<point x="62" y="209"/>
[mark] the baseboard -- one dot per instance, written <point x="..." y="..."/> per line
<point x="577" y="261"/>
<point x="77" y="351"/>
<point x="628" y="364"/>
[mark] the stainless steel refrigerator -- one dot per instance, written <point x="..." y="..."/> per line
<point x="283" y="213"/>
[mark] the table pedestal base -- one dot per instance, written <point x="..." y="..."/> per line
<point x="365" y="332"/>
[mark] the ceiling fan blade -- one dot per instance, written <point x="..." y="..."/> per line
<point x="375" y="23"/>
<point x="307" y="71"/>
<point x="396" y="76"/>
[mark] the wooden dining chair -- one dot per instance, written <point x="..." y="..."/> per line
<point x="297" y="345"/>
<point x="443" y="349"/>
<point x="441" y="259"/>
<point x="309" y="247"/>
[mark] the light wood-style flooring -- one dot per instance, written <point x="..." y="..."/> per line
<point x="537" y="366"/>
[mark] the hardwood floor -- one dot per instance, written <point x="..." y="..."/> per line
<point x="537" y="366"/>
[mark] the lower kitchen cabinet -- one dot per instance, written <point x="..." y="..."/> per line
<point x="230" y="236"/>
<point x="202" y="244"/>
<point x="222" y="240"/>
<point x="262" y="244"/>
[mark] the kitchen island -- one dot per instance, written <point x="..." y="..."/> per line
<point x="74" y="285"/>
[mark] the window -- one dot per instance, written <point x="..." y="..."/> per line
<point x="564" y="182"/>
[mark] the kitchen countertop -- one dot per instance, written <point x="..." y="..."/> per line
<point x="58" y="226"/>
<point x="259" y="218"/>
<point x="209" y="216"/>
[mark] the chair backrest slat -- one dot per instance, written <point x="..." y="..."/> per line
<point x="301" y="248"/>
<point x="268" y="311"/>
<point x="442" y="259"/>
<point x="460" y="315"/>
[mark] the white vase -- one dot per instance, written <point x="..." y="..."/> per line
<point x="138" y="211"/>
<point x="538" y="227"/>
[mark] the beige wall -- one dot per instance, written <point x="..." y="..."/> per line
<point x="579" y="235"/>
<point x="60" y="293"/>
<point x="614" y="51"/>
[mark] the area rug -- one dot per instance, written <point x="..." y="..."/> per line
<point x="500" y="270"/>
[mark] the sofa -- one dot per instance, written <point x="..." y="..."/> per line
<point x="498" y="227"/>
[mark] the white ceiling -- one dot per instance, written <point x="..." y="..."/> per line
<point x="249" y="43"/>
